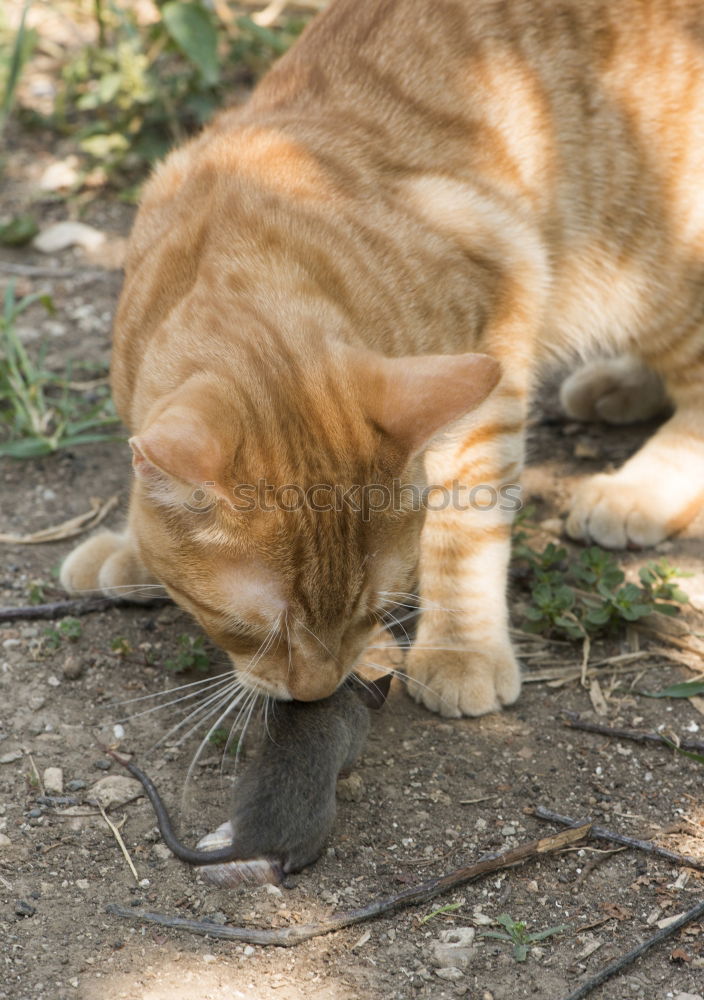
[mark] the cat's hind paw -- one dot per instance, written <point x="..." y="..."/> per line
<point x="454" y="684"/>
<point x="616" y="390"/>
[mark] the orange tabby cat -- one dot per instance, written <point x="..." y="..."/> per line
<point x="307" y="281"/>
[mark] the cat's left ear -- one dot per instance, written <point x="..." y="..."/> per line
<point x="179" y="445"/>
<point x="413" y="398"/>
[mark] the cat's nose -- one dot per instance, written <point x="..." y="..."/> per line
<point x="311" y="682"/>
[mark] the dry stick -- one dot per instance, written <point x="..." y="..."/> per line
<point x="573" y="721"/>
<point x="620" y="838"/>
<point x="118" y="837"/>
<point x="286" y="937"/>
<point x="620" y="963"/>
<point x="78" y="606"/>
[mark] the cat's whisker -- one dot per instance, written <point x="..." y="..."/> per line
<point x="203" y="743"/>
<point x="317" y="639"/>
<point x="204" y="709"/>
<point x="204" y="683"/>
<point x="395" y="621"/>
<point x="219" y="686"/>
<point x="421" y="603"/>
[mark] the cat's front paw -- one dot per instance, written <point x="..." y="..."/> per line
<point x="107" y="564"/>
<point x="463" y="683"/>
<point x="614" y="513"/>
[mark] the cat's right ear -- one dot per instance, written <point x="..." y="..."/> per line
<point x="413" y="398"/>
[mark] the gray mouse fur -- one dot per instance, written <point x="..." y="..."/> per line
<point x="284" y="803"/>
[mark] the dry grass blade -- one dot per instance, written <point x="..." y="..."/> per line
<point x="118" y="837"/>
<point x="99" y="510"/>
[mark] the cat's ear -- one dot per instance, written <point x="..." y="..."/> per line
<point x="180" y="444"/>
<point x="413" y="398"/>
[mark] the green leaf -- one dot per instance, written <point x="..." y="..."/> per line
<point x="520" y="952"/>
<point x="685" y="753"/>
<point x="18" y="231"/>
<point x="192" y="30"/>
<point x="687" y="689"/>
<point x="443" y="909"/>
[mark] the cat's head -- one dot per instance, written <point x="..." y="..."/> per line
<point x="283" y="507"/>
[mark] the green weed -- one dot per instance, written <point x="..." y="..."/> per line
<point x="15" y="51"/>
<point x="220" y="738"/>
<point x="40" y="411"/>
<point x="143" y="87"/>
<point x="516" y="933"/>
<point x="69" y="629"/>
<point x="192" y="655"/>
<point x="589" y="595"/>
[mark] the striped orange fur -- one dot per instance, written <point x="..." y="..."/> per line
<point x="323" y="287"/>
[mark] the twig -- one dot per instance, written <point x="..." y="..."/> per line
<point x="286" y="937"/>
<point x="76" y="607"/>
<point x="120" y="841"/>
<point x="621" y="838"/>
<point x="36" y="271"/>
<point x="620" y="963"/>
<point x="573" y="721"/>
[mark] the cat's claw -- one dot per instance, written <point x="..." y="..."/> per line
<point x="457" y="684"/>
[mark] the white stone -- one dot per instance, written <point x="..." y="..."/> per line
<point x="62" y="235"/>
<point x="53" y="779"/>
<point x="115" y="790"/>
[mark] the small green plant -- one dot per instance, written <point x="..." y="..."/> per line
<point x="589" y="595"/>
<point x="221" y="739"/>
<point x="516" y="933"/>
<point x="121" y="646"/>
<point x="144" y="86"/>
<point x="192" y="655"/>
<point x="35" y="592"/>
<point x="69" y="629"/>
<point x="40" y="411"/>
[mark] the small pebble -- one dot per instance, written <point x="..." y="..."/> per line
<point x="24" y="909"/>
<point x="53" y="681"/>
<point x="76" y="784"/>
<point x="162" y="852"/>
<point x="72" y="668"/>
<point x="9" y="758"/>
<point x="350" y="789"/>
<point x="248" y="950"/>
<point x="4" y="841"/>
<point x="82" y="883"/>
<point x="103" y="764"/>
<point x="53" y="779"/>
<point x="115" y="790"/>
<point x="450" y="973"/>
<point x="118" y="731"/>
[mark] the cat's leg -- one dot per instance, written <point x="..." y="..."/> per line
<point x="658" y="491"/>
<point x="462" y="662"/>
<point x="107" y="563"/>
<point x="617" y="390"/>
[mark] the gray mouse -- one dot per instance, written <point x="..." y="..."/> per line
<point x="284" y="803"/>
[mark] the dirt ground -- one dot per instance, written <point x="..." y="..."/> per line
<point x="433" y="794"/>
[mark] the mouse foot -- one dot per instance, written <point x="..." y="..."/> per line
<point x="234" y="874"/>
